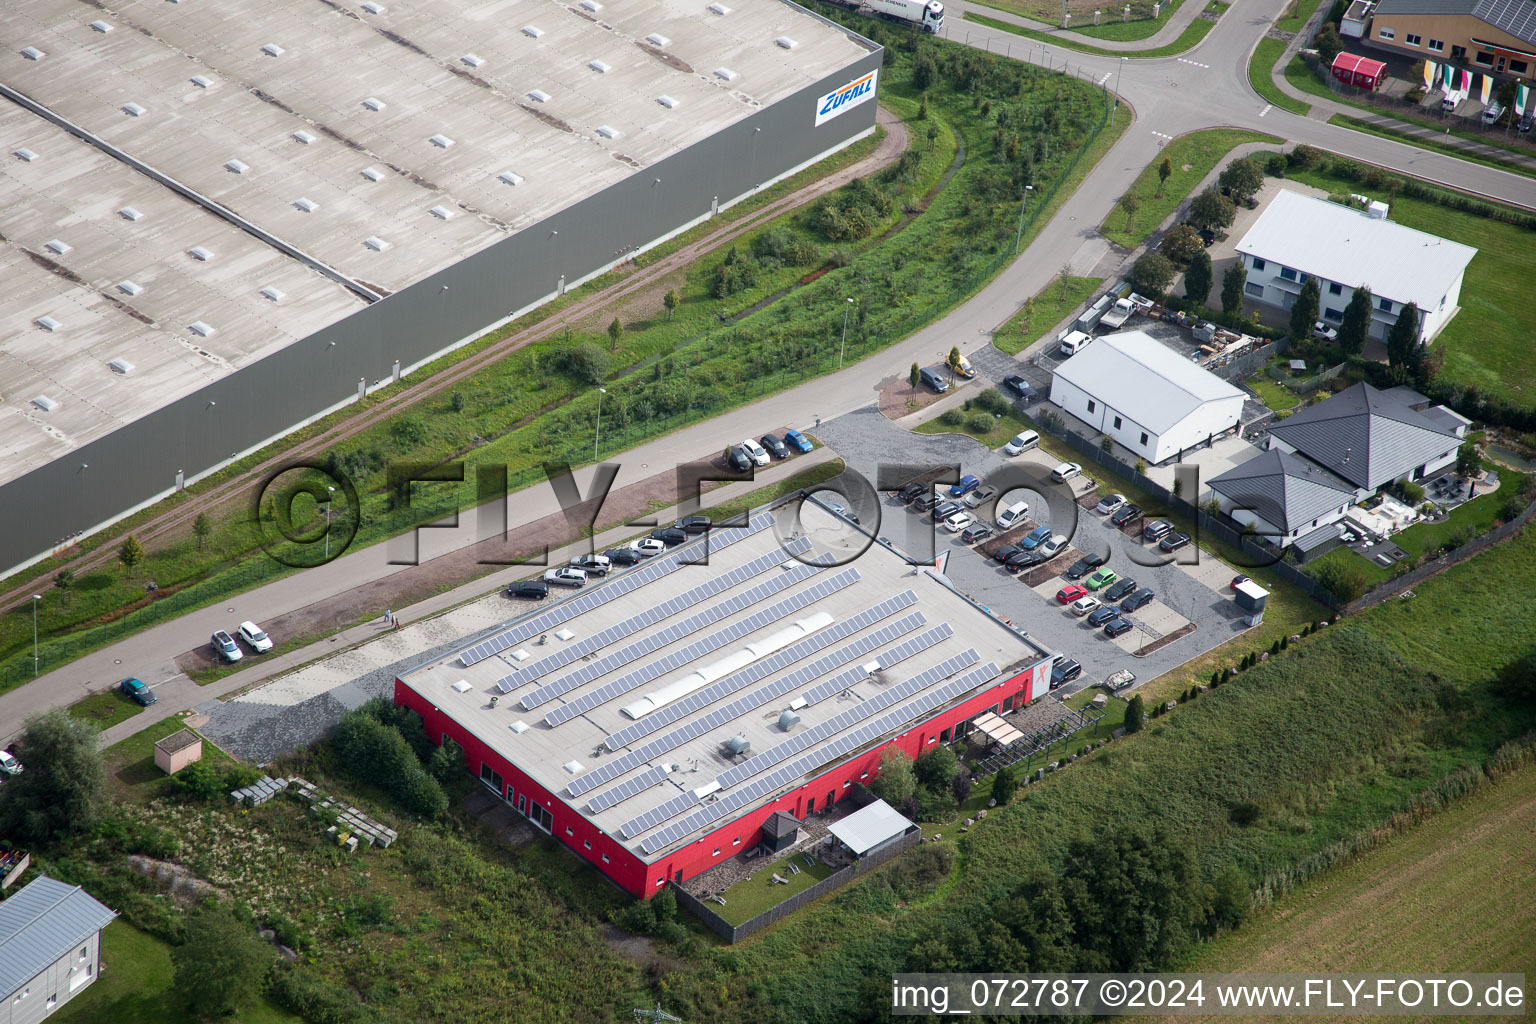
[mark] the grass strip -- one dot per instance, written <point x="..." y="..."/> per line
<point x="1039" y="314"/>
<point x="1192" y="35"/>
<point x="1433" y="142"/>
<point x="1260" y="67"/>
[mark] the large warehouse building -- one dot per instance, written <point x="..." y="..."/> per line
<point x="219" y="222"/>
<point x="655" y="721"/>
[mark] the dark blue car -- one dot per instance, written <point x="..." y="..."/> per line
<point x="1099" y="616"/>
<point x="1116" y="627"/>
<point x="967" y="484"/>
<point x="1039" y="535"/>
<point x="798" y="441"/>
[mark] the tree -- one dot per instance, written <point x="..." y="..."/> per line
<point x="933" y="137"/>
<point x="1232" y="284"/>
<point x="1152" y="273"/>
<point x="62" y="581"/>
<point x="1304" y="312"/>
<point x="922" y="108"/>
<point x="1026" y="313"/>
<point x="1182" y="243"/>
<point x="222" y="964"/>
<point x="896" y="781"/>
<point x="954" y="356"/>
<point x="446" y="762"/>
<point x="925" y="70"/>
<point x="202" y="526"/>
<point x="1134" y="709"/>
<point x="615" y="332"/>
<point x="1403" y="347"/>
<point x="961" y="787"/>
<point x="1341" y="579"/>
<point x="1004" y="785"/>
<point x="1164" y="169"/>
<point x="1356" y="327"/>
<point x="1197" y="279"/>
<point x="1063" y="280"/>
<point x="1242" y="178"/>
<point x="671" y="302"/>
<point x="1129" y="204"/>
<point x="1468" y="462"/>
<point x="937" y="769"/>
<point x="914" y="375"/>
<point x="1329" y="45"/>
<point x="1231" y="899"/>
<point x="130" y="553"/>
<point x="1210" y="209"/>
<point x="64" y="789"/>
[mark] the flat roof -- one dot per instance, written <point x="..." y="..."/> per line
<point x="472" y="118"/>
<point x="1343" y="244"/>
<point x="1134" y="373"/>
<point x="628" y="710"/>
<point x="868" y="827"/>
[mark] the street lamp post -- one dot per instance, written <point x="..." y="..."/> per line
<point x="1018" y="236"/>
<point x="1120" y="71"/>
<point x="597" y="433"/>
<point x="842" y="351"/>
<point x="328" y="501"/>
<point x="35" y="598"/>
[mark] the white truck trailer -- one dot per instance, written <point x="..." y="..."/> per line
<point x="927" y="15"/>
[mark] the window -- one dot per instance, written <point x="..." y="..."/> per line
<point x="865" y="775"/>
<point x="53" y="1000"/>
<point x="1333" y="314"/>
<point x="1458" y="53"/>
<point x="1287" y="274"/>
<point x="736" y="841"/>
<point x="491" y="777"/>
<point x="568" y="831"/>
<point x="1117" y="422"/>
<point x="605" y="859"/>
<point x="1091" y="404"/>
<point x="1143" y="437"/>
<point x="1385" y="305"/>
<point x="1484" y="57"/>
<point x="1413" y="39"/>
<point x="1387" y="33"/>
<point x="846" y="783"/>
<point x="85" y="952"/>
<point x="717" y="852"/>
<point x="1259" y="264"/>
<point x="660" y="882"/>
<point x="587" y="843"/>
<point x="1256" y="290"/>
<point x="1334" y="288"/>
<point x="1437" y="45"/>
<point x="1518" y="67"/>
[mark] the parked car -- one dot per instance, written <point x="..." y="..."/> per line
<point x="1039" y="535"/>
<point x="934" y="379"/>
<point x="756" y="452"/>
<point x="1528" y="121"/>
<point x="1066" y="471"/>
<point x="737" y="459"/>
<point x="1101" y="579"/>
<point x="926" y="502"/>
<point x="1323" y="331"/>
<point x="959" y="521"/>
<point x="1207" y="237"/>
<point x="1140" y="599"/>
<point x="253" y="635"/>
<point x="980" y="496"/>
<point x="225" y="647"/>
<point x="1125" y="515"/>
<point x="1083" y="566"/>
<point x="1119" y="589"/>
<point x="1103" y="614"/>
<point x="798" y="441"/>
<point x="1022" y="442"/>
<point x="776" y="446"/>
<point x="1084" y="605"/>
<point x="9" y="765"/>
<point x="1116" y="627"/>
<point x="1174" y="541"/>
<point x="1021" y="387"/>
<point x="647" y="547"/>
<point x="528" y="588"/>
<point x="592" y="565"/>
<point x="910" y="493"/>
<point x="1051" y="548"/>
<point x="1492" y="112"/>
<point x="967" y="484"/>
<point x="669" y="535"/>
<point x="1109" y="503"/>
<point x="137" y="691"/>
<point x="1021" y="559"/>
<point x="837" y="508"/>
<point x="962" y="367"/>
<point x="1013" y="515"/>
<point x="1006" y="551"/>
<point x="976" y="532"/>
<point x="693" y="524"/>
<point x="1064" y="672"/>
<point x="1157" y="529"/>
<point x="622" y="556"/>
<point x="565" y="576"/>
<point x="1238" y="581"/>
<point x="944" y="509"/>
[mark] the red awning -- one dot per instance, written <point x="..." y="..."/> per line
<point x="1356" y="65"/>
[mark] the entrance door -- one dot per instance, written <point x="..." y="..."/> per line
<point x="830" y="797"/>
<point x="1499" y="64"/>
<point x="810" y="807"/>
<point x="541" y="817"/>
<point x="522" y="803"/>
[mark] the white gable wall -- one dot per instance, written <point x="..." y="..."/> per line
<point x="1209" y="418"/>
<point x="1267" y="283"/>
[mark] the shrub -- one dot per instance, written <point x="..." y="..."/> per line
<point x="951" y="418"/>
<point x="221" y="966"/>
<point x="735" y="273"/>
<point x="585" y="361"/>
<point x="373" y="752"/>
<point x="1004" y="784"/>
<point x="920" y="869"/>
<point x="980" y="423"/>
<point x="408" y="431"/>
<point x="1275" y="166"/>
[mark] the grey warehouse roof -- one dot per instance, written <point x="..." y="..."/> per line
<point x="42" y="922"/>
<point x="1283" y="489"/>
<point x="1517" y="17"/>
<point x="1342" y="244"/>
<point x="1139" y="376"/>
<point x="1366" y="436"/>
<point x="868" y="827"/>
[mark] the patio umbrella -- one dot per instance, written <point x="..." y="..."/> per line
<point x="1487" y="88"/>
<point x="1431" y="70"/>
<point x="1522" y="94"/>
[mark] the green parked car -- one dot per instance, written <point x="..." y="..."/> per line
<point x="1102" y="578"/>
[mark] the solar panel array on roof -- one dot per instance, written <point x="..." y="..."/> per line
<point x="697" y="649"/>
<point x="899" y="653"/>
<point x="635" y="623"/>
<point x="628" y="788"/>
<point x="808" y="763"/>
<point x="625" y="583"/>
<point x="658" y="814"/>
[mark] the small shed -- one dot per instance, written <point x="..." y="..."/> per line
<point x="178" y="750"/>
<point x="871" y="828"/>
<point x="779" y="831"/>
<point x="1361" y="72"/>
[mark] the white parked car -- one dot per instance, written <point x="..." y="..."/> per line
<point x="9" y="764"/>
<point x="647" y="547"/>
<point x="959" y="521"/>
<point x="1066" y="471"/>
<point x="1051" y="548"/>
<point x="565" y="576"/>
<point x="1323" y="331"/>
<point x="756" y="452"/>
<point x="257" y="640"/>
<point x="1110" y="503"/>
<point x="1084" y="605"/>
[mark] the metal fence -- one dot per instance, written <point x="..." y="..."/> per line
<point x="736" y="932"/>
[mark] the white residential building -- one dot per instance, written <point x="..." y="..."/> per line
<point x="50" y="948"/>
<point x="1145" y="395"/>
<point x="1299" y="237"/>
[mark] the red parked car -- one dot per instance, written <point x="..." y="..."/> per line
<point x="1066" y="595"/>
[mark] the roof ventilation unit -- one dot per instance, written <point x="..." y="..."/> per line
<point x="45" y="403"/>
<point x="572" y="767"/>
<point x="738" y="745"/>
<point x="102" y="26"/>
<point x="302" y="136"/>
<point x="788" y="720"/>
<point x="600" y="66"/>
<point x="474" y="60"/>
<point x="510" y="178"/>
<point x="709" y="788"/>
<point x="135" y="109"/>
<point x="719" y="9"/>
<point x="200" y="254"/>
<point x="236" y="166"/>
<point x="129" y="213"/>
<point x="462" y="686"/>
<point x="725" y="74"/>
<point x="607" y="132"/>
<point x="201" y="81"/>
<point x="1377" y="210"/>
<point x="375" y="243"/>
<point x="32" y="53"/>
<point x="202" y="329"/>
<point x="521" y="654"/>
<point x="373" y="8"/>
<point x="273" y="294"/>
<point x="25" y="155"/>
<point x="58" y="247"/>
<point x="565" y="634"/>
<point x="373" y="174"/>
<point x="441" y="212"/>
<point x="48" y="323"/>
<point x="539" y="96"/>
<point x="657" y="39"/>
<point x="129" y="287"/>
<point x="532" y="31"/>
<point x="307" y="205"/>
<point x="441" y="141"/>
<point x="591" y="5"/>
<point x="272" y="50"/>
<point x="519" y="726"/>
<point x="374" y="103"/>
<point x="121" y="365"/>
<point x="786" y="42"/>
<point x="667" y="101"/>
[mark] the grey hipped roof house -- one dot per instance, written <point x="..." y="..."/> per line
<point x="1284" y="490"/>
<point x="1368" y="437"/>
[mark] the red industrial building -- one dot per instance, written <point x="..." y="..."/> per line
<point x="654" y="721"/>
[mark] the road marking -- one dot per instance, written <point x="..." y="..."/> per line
<point x="1267" y="108"/>
<point x="1194" y="62"/>
<point x="1162" y="136"/>
<point x="1105" y="78"/>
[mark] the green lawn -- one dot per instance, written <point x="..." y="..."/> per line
<point x="1433" y="142"/>
<point x="105" y="710"/>
<point x="1003" y="427"/>
<point x="1192" y="156"/>
<point x="1265" y="56"/>
<point x="750" y="897"/>
<point x="1050" y="307"/>
<point x="1188" y="38"/>
<point x="131" y="762"/>
<point x="136" y="987"/>
<point x="1048" y="12"/>
<point x="1488" y="343"/>
<point x="1296" y="15"/>
<point x="1276" y="396"/>
<point x="1479" y="515"/>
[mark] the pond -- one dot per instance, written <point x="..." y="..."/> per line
<point x="1511" y="458"/>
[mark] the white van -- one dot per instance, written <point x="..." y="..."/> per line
<point x="1022" y="442"/>
<point x="1013" y="515"/>
<point x="1073" y="342"/>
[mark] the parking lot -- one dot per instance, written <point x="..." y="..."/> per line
<point x="1192" y="589"/>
